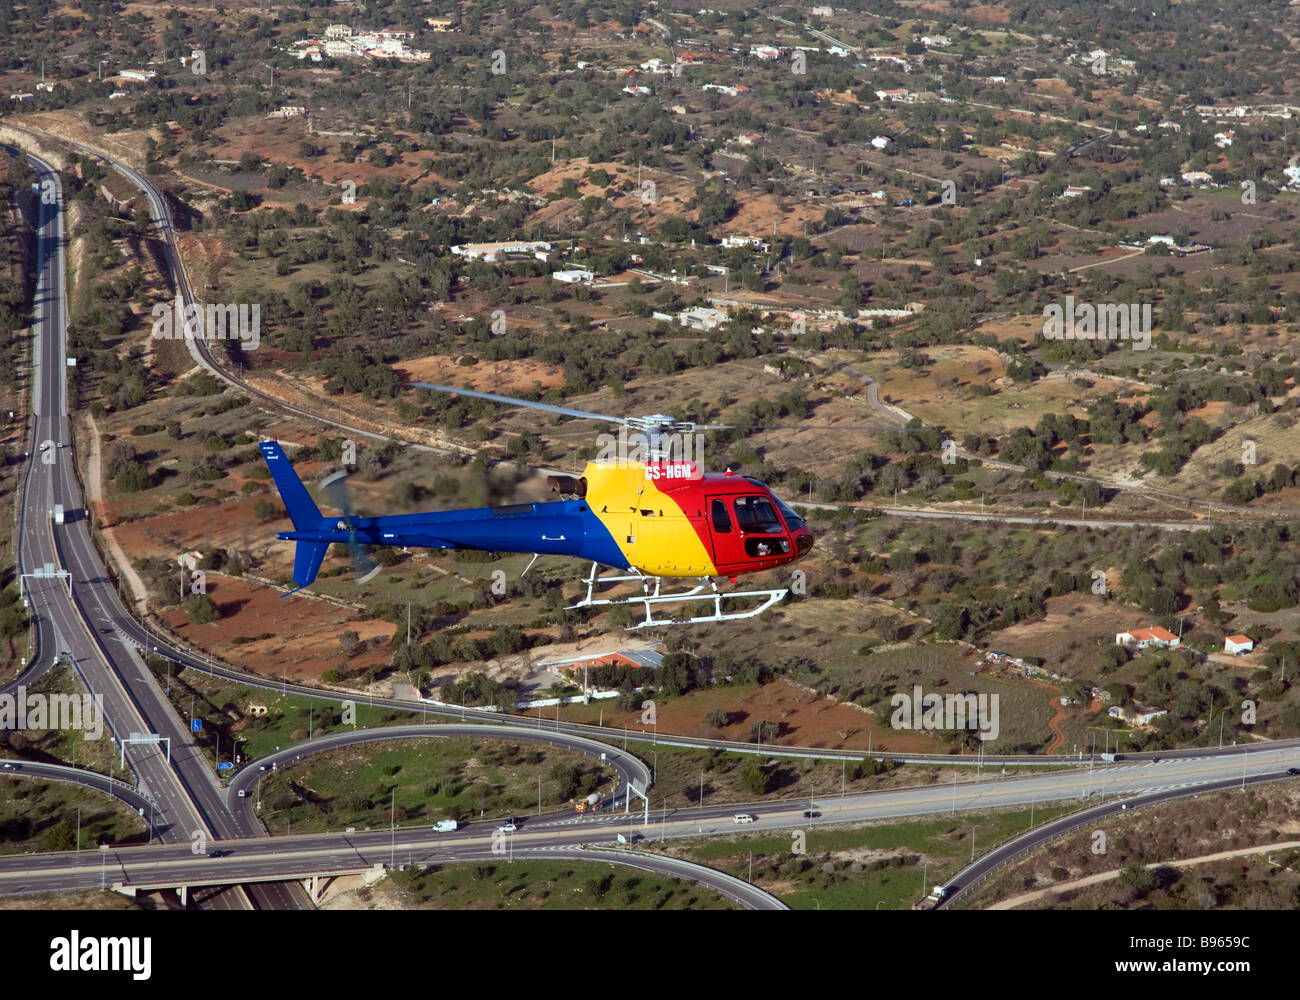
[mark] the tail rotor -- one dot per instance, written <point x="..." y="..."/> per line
<point x="336" y="488"/>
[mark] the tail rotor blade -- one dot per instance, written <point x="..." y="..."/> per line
<point x="336" y="488"/>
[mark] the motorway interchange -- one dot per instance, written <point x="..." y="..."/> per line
<point x="185" y="800"/>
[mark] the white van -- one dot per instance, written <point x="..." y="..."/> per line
<point x="445" y="825"/>
<point x="743" y="818"/>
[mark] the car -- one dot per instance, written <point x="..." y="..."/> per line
<point x="218" y="854"/>
<point x="582" y="847"/>
<point x="811" y="814"/>
<point x="1289" y="770"/>
<point x="262" y="768"/>
<point x="743" y="818"/>
<point x="507" y="828"/>
<point x="8" y="766"/>
<point x="445" y="826"/>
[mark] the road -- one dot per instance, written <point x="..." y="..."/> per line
<point x="1005" y="854"/>
<point x="183" y="793"/>
<point x="303" y="854"/>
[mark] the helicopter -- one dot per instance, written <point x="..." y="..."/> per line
<point x="650" y="518"/>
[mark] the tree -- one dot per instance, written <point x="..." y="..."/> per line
<point x="755" y="777"/>
<point x="133" y="478"/>
<point x="763" y="731"/>
<point x="950" y="622"/>
<point x="717" y="718"/>
<point x="60" y="837"/>
<point x="200" y="609"/>
<point x="1141" y="878"/>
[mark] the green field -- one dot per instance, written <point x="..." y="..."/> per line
<point x="856" y="869"/>
<point x="422" y="781"/>
<point x="548" y="885"/>
<point x="38" y="815"/>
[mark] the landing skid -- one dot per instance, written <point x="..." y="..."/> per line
<point x="653" y="597"/>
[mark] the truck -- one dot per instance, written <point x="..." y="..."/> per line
<point x="445" y="826"/>
<point x="936" y="896"/>
<point x="590" y="804"/>
<point x="58" y="513"/>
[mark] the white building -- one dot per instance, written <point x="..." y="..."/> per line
<point x="1144" y="637"/>
<point x="738" y="242"/>
<point x="881" y="141"/>
<point x="1238" y="644"/>
<point x="140" y="75"/>
<point x="493" y="252"/>
<point x="701" y="318"/>
<point x="577" y="276"/>
<point x="765" y="52"/>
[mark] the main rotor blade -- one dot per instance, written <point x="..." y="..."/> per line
<point x="513" y="401"/>
<point x="805" y="427"/>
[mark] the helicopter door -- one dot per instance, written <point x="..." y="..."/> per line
<point x="727" y="546"/>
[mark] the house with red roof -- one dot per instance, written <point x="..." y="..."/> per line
<point x="1238" y="644"/>
<point x="1144" y="637"/>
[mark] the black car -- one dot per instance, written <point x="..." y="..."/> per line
<point x="1293" y="770"/>
<point x="811" y="814"/>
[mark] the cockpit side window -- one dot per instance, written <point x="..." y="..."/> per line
<point x="721" y="521"/>
<point x="756" y="515"/>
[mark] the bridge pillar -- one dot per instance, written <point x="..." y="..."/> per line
<point x="184" y="893"/>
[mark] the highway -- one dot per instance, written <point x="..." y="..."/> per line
<point x="252" y="859"/>
<point x="183" y="792"/>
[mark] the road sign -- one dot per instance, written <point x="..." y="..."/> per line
<point x="224" y="765"/>
<point x="196" y="725"/>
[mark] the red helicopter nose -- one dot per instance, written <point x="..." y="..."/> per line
<point x="803" y="540"/>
